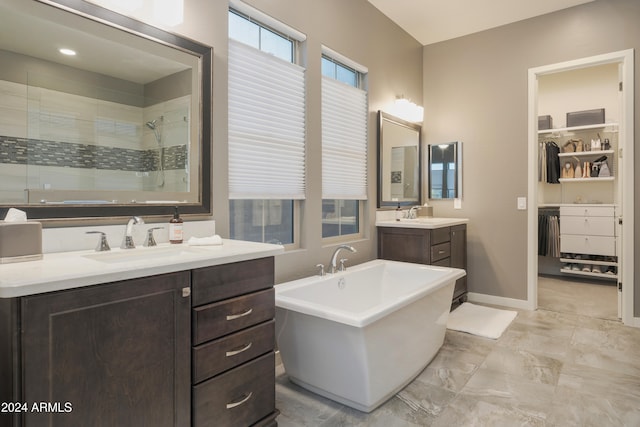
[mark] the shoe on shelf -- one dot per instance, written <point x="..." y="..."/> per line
<point x="575" y="267"/>
<point x="596" y="269"/>
<point x="586" y="268"/>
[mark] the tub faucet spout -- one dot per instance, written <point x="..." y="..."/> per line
<point x="335" y="255"/>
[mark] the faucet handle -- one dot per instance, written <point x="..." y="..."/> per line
<point x="150" y="241"/>
<point x="103" y="244"/>
<point x="342" y="266"/>
<point x="321" y="267"/>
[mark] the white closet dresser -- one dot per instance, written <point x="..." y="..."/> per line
<point x="588" y="239"/>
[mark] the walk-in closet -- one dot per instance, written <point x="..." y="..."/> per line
<point x="578" y="191"/>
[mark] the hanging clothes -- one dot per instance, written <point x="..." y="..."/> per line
<point x="552" y="162"/>
<point x="549" y="233"/>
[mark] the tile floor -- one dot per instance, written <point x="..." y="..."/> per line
<point x="556" y="366"/>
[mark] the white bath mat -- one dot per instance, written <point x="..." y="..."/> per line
<point x="479" y="320"/>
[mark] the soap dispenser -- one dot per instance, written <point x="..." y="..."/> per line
<point x="399" y="213"/>
<point x="175" y="227"/>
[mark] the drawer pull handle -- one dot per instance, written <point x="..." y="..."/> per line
<point x="242" y="400"/>
<point x="237" y="316"/>
<point x="440" y="252"/>
<point x="239" y="350"/>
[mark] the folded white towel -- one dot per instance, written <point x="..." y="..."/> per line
<point x="205" y="241"/>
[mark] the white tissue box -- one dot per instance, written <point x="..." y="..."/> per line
<point x="20" y="241"/>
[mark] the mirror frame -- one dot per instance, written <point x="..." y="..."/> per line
<point x="388" y="118"/>
<point x="458" y="174"/>
<point x="205" y="55"/>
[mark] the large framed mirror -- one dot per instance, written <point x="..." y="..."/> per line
<point x="445" y="170"/>
<point x="118" y="124"/>
<point x="399" y="161"/>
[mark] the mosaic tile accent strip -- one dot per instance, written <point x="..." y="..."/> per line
<point x="25" y="151"/>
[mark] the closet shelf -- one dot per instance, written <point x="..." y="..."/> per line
<point x="586" y="153"/>
<point x="603" y="179"/>
<point x="590" y="274"/>
<point x="578" y="128"/>
<point x="588" y="261"/>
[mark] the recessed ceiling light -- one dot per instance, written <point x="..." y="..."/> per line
<point x="68" y="52"/>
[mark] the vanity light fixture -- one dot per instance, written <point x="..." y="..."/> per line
<point x="407" y="110"/>
<point x="68" y="52"/>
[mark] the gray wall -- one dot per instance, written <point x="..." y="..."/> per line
<point x="475" y="90"/>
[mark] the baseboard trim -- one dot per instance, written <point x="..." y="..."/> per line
<point x="502" y="301"/>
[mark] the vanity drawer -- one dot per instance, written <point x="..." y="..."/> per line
<point x="221" y="318"/>
<point x="587" y="211"/>
<point x="219" y="282"/>
<point x="440" y="235"/>
<point x="591" y="245"/>
<point x="593" y="226"/>
<point x="239" y="397"/>
<point x="217" y="356"/>
<point x="441" y="251"/>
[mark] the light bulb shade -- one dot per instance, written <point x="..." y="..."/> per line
<point x="408" y="110"/>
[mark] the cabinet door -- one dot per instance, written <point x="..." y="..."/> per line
<point x="459" y="256"/>
<point x="404" y="244"/>
<point x="113" y="355"/>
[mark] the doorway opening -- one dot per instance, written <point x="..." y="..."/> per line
<point x="575" y="230"/>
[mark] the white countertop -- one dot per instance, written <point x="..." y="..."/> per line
<point x="422" y="222"/>
<point x="67" y="270"/>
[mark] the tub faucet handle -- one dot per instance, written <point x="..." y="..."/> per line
<point x="342" y="266"/>
<point x="103" y="244"/>
<point x="321" y="267"/>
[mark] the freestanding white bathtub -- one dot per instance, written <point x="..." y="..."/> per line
<point x="360" y="336"/>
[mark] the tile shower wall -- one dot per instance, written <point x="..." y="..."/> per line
<point x="50" y="139"/>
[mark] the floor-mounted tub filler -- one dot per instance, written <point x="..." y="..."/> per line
<point x="360" y="336"/>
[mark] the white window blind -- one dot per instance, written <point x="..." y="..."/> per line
<point x="344" y="141"/>
<point x="266" y="126"/>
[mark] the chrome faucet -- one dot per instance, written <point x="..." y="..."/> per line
<point x="127" y="241"/>
<point x="335" y="257"/>
<point x="412" y="214"/>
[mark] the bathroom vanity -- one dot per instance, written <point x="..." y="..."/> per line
<point x="433" y="241"/>
<point x="177" y="337"/>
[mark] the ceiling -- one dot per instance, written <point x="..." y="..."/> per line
<point x="432" y="21"/>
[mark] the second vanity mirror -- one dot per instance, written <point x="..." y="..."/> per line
<point x="119" y="124"/>
<point x="399" y="165"/>
<point x="445" y="170"/>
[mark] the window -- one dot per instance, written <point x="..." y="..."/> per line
<point x="344" y="145"/>
<point x="266" y="130"/>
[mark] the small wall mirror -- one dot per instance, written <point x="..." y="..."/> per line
<point x="399" y="165"/>
<point x="445" y="170"/>
<point x="119" y="126"/>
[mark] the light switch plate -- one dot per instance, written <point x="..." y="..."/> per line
<point x="522" y="203"/>
<point x="457" y="203"/>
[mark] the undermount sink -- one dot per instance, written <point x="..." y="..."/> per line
<point x="141" y="254"/>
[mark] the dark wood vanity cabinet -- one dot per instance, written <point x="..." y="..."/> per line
<point x="445" y="246"/>
<point x="113" y="354"/>
<point x="233" y="337"/>
<point x="186" y="348"/>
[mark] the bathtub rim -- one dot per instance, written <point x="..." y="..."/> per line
<point x="363" y="318"/>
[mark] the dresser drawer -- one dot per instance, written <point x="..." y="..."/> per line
<point x="239" y="397"/>
<point x="592" y="226"/>
<point x="592" y="245"/>
<point x="219" y="282"/>
<point x="217" y="356"/>
<point x="440" y="235"/>
<point x="212" y="321"/>
<point x="440" y="251"/>
<point x="587" y="211"/>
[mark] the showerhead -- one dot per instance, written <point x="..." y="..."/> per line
<point x="151" y="124"/>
